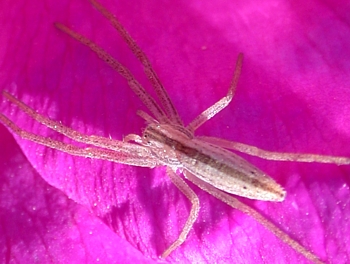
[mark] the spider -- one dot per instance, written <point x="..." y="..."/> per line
<point x="205" y="161"/>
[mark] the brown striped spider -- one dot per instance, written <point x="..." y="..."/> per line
<point x="205" y="161"/>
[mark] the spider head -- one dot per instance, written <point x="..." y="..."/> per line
<point x="165" y="140"/>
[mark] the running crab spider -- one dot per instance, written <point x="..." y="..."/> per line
<point x="167" y="142"/>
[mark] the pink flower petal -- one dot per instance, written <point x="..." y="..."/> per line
<point x="39" y="222"/>
<point x="292" y="96"/>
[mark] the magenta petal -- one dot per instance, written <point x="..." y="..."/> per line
<point x="39" y="222"/>
<point x="292" y="96"/>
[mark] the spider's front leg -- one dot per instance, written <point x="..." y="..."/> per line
<point x="279" y="156"/>
<point x="124" y="155"/>
<point x="96" y="141"/>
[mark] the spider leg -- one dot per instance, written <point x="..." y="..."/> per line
<point x="147" y="100"/>
<point x="270" y="155"/>
<point x="73" y="134"/>
<point x="234" y="203"/>
<point x="222" y="103"/>
<point x="189" y="193"/>
<point x="124" y="156"/>
<point x="146" y="117"/>
<point x="147" y="67"/>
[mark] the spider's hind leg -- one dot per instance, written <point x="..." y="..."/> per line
<point x="272" y="155"/>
